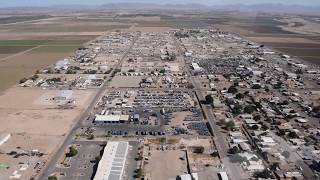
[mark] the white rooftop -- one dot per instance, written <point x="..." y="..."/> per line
<point x="112" y="163"/>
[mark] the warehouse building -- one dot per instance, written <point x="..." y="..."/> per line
<point x="63" y="95"/>
<point x="111" y="118"/>
<point x="112" y="163"/>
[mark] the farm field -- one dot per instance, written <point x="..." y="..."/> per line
<point x="20" y="61"/>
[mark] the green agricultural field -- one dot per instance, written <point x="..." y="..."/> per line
<point x="22" y="42"/>
<point x="56" y="48"/>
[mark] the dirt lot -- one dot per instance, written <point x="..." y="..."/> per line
<point x="125" y="81"/>
<point x="26" y="110"/>
<point x="21" y="143"/>
<point x="166" y="164"/>
<point x="35" y="122"/>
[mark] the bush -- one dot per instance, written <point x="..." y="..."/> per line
<point x="256" y="86"/>
<point x="35" y="77"/>
<point x="138" y="172"/>
<point x="52" y="178"/>
<point x="239" y="96"/>
<point x="209" y="99"/>
<point x="249" y="109"/>
<point x="229" y="124"/>
<point x="234" y="150"/>
<point x="23" y="80"/>
<point x="72" y="152"/>
<point x="198" y="150"/>
<point x="162" y="71"/>
<point x="232" y="89"/>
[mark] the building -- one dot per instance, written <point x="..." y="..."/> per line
<point x="4" y="138"/>
<point x="63" y="95"/>
<point x="136" y="117"/>
<point x="196" y="67"/>
<point x="111" y="118"/>
<point x="112" y="163"/>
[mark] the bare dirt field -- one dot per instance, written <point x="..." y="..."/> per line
<point x="166" y="164"/>
<point x="25" y="110"/>
<point x="126" y="81"/>
<point x="35" y="123"/>
<point x="25" y="165"/>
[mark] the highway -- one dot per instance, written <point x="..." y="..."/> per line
<point x="48" y="169"/>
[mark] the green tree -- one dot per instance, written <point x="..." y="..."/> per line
<point x="229" y="124"/>
<point x="23" y="80"/>
<point x="239" y="96"/>
<point x="249" y="109"/>
<point x="72" y="152"/>
<point x="232" y="90"/>
<point x="209" y="99"/>
<point x="52" y="178"/>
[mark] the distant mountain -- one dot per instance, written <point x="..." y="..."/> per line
<point x="153" y="6"/>
<point x="278" y="8"/>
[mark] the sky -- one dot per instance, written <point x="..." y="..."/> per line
<point x="12" y="3"/>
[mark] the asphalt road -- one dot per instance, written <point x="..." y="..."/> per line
<point x="69" y="138"/>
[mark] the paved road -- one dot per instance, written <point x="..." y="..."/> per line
<point x="69" y="138"/>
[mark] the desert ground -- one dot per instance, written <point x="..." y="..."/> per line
<point x="36" y="123"/>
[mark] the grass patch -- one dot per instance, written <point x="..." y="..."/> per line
<point x="22" y="42"/>
<point x="56" y="49"/>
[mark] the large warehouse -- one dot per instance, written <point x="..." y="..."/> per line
<point x="111" y="165"/>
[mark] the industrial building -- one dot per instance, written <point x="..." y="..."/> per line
<point x="111" y="118"/>
<point x="63" y="95"/>
<point x="112" y="163"/>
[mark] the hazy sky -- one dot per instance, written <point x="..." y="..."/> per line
<point x="9" y="3"/>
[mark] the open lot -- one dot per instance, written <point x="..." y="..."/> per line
<point x="35" y="123"/>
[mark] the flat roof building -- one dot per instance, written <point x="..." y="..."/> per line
<point x="63" y="95"/>
<point x="112" y="163"/>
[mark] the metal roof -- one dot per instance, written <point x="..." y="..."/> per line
<point x="107" y="118"/>
<point x="112" y="163"/>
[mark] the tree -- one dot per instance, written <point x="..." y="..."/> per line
<point x="249" y="109"/>
<point x="239" y="96"/>
<point x="138" y="172"/>
<point x="229" y="124"/>
<point x="23" y="80"/>
<point x="214" y="154"/>
<point x="209" y="99"/>
<point x="52" y="178"/>
<point x="266" y="174"/>
<point x="90" y="137"/>
<point x="234" y="150"/>
<point x="255" y="127"/>
<point x="198" y="150"/>
<point x="264" y="127"/>
<point x="72" y="152"/>
<point x="293" y="135"/>
<point x="257" y="117"/>
<point x="274" y="166"/>
<point x="256" y="86"/>
<point x="35" y="77"/>
<point x="237" y="109"/>
<point x="162" y="71"/>
<point x="286" y="154"/>
<point x="232" y="90"/>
